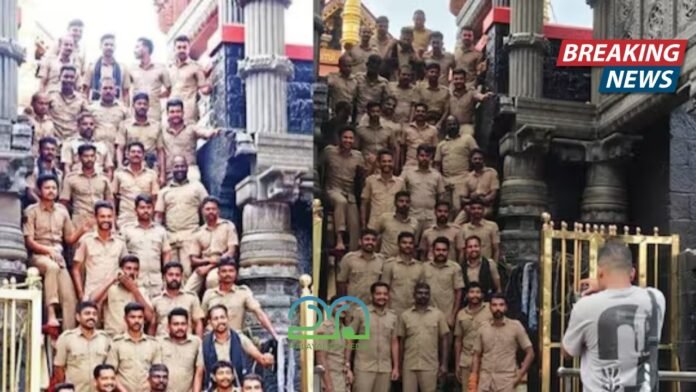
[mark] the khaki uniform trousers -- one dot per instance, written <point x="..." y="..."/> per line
<point x="425" y="220"/>
<point x="371" y="381"/>
<point x="466" y="129"/>
<point x="58" y="288"/>
<point x="195" y="282"/>
<point x="459" y="189"/>
<point x="464" y="373"/>
<point x="346" y="217"/>
<point x="419" y="380"/>
<point x="338" y="380"/>
<point x="500" y="382"/>
<point x="180" y="242"/>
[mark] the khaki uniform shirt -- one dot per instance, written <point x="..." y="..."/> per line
<point x="372" y="139"/>
<point x="335" y="354"/>
<point x="437" y="98"/>
<point x="450" y="231"/>
<point x="447" y="65"/>
<point x="443" y="279"/>
<point x="98" y="258"/>
<point x="453" y="155"/>
<point x="107" y="71"/>
<point x="382" y="45"/>
<point x="389" y="227"/>
<point x="109" y="122"/>
<point x="117" y="297"/>
<point x="379" y="194"/>
<point x="341" y="88"/>
<point x="47" y="227"/>
<point x="402" y="275"/>
<point x="149" y="134"/>
<point x="498" y="347"/>
<point x="222" y="349"/>
<point x="63" y="111"/>
<point x="368" y="91"/>
<point x="49" y="72"/>
<point x="405" y="99"/>
<point x="374" y="354"/>
<point x="461" y="106"/>
<point x="128" y="185"/>
<point x="214" y="241"/>
<point x="360" y="271"/>
<point x="180" y="203"/>
<point x="395" y="127"/>
<point x="424" y="186"/>
<point x="187" y="78"/>
<point x="421" y="38"/>
<point x="468" y="60"/>
<point x="414" y="136"/>
<point x="466" y="328"/>
<point x="472" y="272"/>
<point x="360" y="56"/>
<point x="341" y="169"/>
<point x="484" y="182"/>
<point x="83" y="191"/>
<point x="151" y="80"/>
<point x="163" y="304"/>
<point x="132" y="360"/>
<point x="149" y="244"/>
<point x="182" y="143"/>
<point x="181" y="359"/>
<point x="487" y="231"/>
<point x="42" y="128"/>
<point x="238" y="302"/>
<point x="79" y="355"/>
<point x="69" y="154"/>
<point x="420" y="331"/>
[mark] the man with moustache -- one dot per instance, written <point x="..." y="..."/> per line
<point x="131" y="181"/>
<point x="467" y="57"/>
<point x="40" y="120"/>
<point x="379" y="191"/>
<point x="46" y="227"/>
<point x="371" y="87"/>
<point x="445" y="279"/>
<point x="104" y="162"/>
<point x="179" y="138"/>
<point x="65" y="387"/>
<point x="104" y="378"/>
<point x="462" y="101"/>
<point x="225" y="344"/>
<point x="74" y="33"/>
<point x="224" y="378"/>
<point x="174" y="297"/>
<point x="359" y="269"/>
<point x="83" y="188"/>
<point x="478" y="268"/>
<point x="109" y="114"/>
<point x="466" y="328"/>
<point x="79" y="350"/>
<point x="106" y="66"/>
<point x="373" y="137"/>
<point x="494" y="368"/>
<point x="133" y="352"/>
<point x="188" y="79"/>
<point x="441" y="228"/>
<point x="381" y="40"/>
<point x="401" y="53"/>
<point x="432" y="93"/>
<point x="482" y="182"/>
<point x="182" y="354"/>
<point x="417" y="133"/>
<point x="177" y="209"/>
<point x="390" y="225"/>
<point x="421" y="34"/>
<point x="215" y="239"/>
<point x="121" y="288"/>
<point x="438" y="55"/>
<point x="158" y="378"/>
<point x="360" y="52"/>
<point x="342" y="84"/>
<point x="150" y="78"/>
<point x="402" y="273"/>
<point x="376" y="365"/>
<point x="252" y="383"/>
<point x="486" y="230"/>
<point x="405" y="93"/>
<point x="98" y="254"/>
<point x="65" y="105"/>
<point x="141" y="128"/>
<point x="238" y="299"/>
<point x="422" y="331"/>
<point x="341" y="164"/>
<point x="452" y="159"/>
<point x="426" y="186"/>
<point x="148" y="241"/>
<point x="49" y="70"/>
<point x="46" y="163"/>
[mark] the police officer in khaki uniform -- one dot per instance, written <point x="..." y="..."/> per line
<point x="483" y="228"/>
<point x="445" y="279"/>
<point x="188" y="79"/>
<point x="417" y="133"/>
<point x="482" y="182"/>
<point x="422" y="331"/>
<point x="331" y="354"/>
<point x="375" y="365"/>
<point x="224" y="377"/>
<point x="182" y="353"/>
<point x="441" y="228"/>
<point x="131" y="181"/>
<point x="80" y="350"/>
<point x="405" y="93"/>
<point x="342" y="84"/>
<point x="466" y="328"/>
<point x="215" y="239"/>
<point x="371" y="86"/>
<point x="391" y="225"/>
<point x="252" y="383"/>
<point x="66" y="104"/>
<point x="104" y="378"/>
<point x="110" y="113"/>
<point x="426" y="186"/>
<point x="133" y="352"/>
<point x="480" y="269"/>
<point x="174" y="297"/>
<point x="452" y="159"/>
<point x="158" y="379"/>
<point x="402" y="273"/>
<point x="70" y="152"/>
<point x="238" y="299"/>
<point x="379" y="191"/>
<point x="358" y="270"/>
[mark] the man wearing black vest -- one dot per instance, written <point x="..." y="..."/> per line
<point x="106" y="66"/>
<point x="480" y="269"/>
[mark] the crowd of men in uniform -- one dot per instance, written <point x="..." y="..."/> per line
<point x="139" y="295"/>
<point x="411" y="203"/>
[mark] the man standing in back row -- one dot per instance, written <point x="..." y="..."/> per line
<point x="188" y="79"/>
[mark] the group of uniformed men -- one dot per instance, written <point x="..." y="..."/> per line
<point x="410" y="194"/>
<point x="113" y="225"/>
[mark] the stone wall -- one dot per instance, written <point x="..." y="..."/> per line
<point x="300" y="105"/>
<point x="682" y="175"/>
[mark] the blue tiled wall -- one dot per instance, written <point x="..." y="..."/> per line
<point x="300" y="106"/>
<point x="228" y="98"/>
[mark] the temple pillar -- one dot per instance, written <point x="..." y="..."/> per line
<point x="526" y="44"/>
<point x="601" y="12"/>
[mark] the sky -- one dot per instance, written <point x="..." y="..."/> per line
<point x="400" y="13"/>
<point x="131" y="19"/>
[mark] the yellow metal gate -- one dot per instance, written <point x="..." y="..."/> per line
<point x="569" y="254"/>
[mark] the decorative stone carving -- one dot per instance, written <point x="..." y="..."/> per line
<point x="655" y="15"/>
<point x="626" y="19"/>
<point x="686" y="13"/>
<point x="278" y="64"/>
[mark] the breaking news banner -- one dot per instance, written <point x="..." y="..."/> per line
<point x="629" y="66"/>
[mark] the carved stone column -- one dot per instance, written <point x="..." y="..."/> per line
<point x="523" y="193"/>
<point x="526" y="42"/>
<point x="605" y="199"/>
<point x="601" y="11"/>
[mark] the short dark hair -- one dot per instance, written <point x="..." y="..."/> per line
<point x="67" y="67"/>
<point x="369" y="232"/>
<point x="432" y="64"/>
<point x="436" y="34"/>
<point x="146" y="42"/>
<point x="158" y="367"/>
<point x="252" y="377"/>
<point x="498" y="296"/>
<point x="473" y="285"/>
<point x="45" y="178"/>
<point x="475" y="200"/>
<point x="442" y="240"/>
<point x="459" y="71"/>
<point x="421" y="285"/>
<point x="382" y="19"/>
<point x="177" y="312"/>
<point x="76" y="23"/>
<point x="102" y="204"/>
<point x="143" y="198"/>
<point x="101" y="367"/>
<point x="64" y="387"/>
<point x="135" y="143"/>
<point x="424" y="148"/>
<point x="347" y="128"/>
<point x="407" y="30"/>
<point x="375" y="285"/>
<point x="210" y="199"/>
<point x="405" y="234"/>
<point x="141" y="95"/>
<point x="477" y="151"/>
<point x="133" y="307"/>
<point x="182" y="38"/>
<point x="128" y="259"/>
<point x="227" y="261"/>
<point x="421" y="104"/>
<point x="106" y="36"/>
<point x="441" y="203"/>
<point x="86" y="305"/>
<point x="472" y="237"/>
<point x="47" y="140"/>
<point x="418" y="12"/>
<point x="86" y="147"/>
<point x="218" y="306"/>
<point x="384" y="151"/>
<point x="171" y="102"/>
<point x="221" y="365"/>
<point x="401" y="194"/>
<point x="373" y="104"/>
<point x="172" y="264"/>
